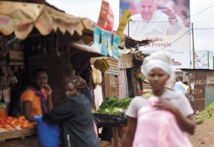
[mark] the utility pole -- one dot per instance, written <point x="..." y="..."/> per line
<point x="193" y="47"/>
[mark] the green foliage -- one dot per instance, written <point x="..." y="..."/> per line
<point x="207" y="113"/>
<point x="113" y="105"/>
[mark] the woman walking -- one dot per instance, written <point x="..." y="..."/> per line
<point x="162" y="118"/>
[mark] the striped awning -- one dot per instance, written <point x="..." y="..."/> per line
<point x="20" y="18"/>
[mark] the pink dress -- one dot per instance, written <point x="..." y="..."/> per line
<point x="95" y="129"/>
<point x="158" y="128"/>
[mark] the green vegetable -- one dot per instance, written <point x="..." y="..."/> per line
<point x="124" y="103"/>
<point x="113" y="105"/>
<point x="116" y="110"/>
<point x="105" y="111"/>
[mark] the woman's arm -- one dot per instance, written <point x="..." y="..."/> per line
<point x="129" y="136"/>
<point x="49" y="102"/>
<point x="48" y="91"/>
<point x="61" y="113"/>
<point x="186" y="123"/>
<point x="27" y="108"/>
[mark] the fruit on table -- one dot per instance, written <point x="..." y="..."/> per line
<point x="13" y="123"/>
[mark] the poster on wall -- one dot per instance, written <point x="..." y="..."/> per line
<point x="116" y="40"/>
<point x="104" y="46"/>
<point x="210" y="60"/>
<point x="166" y="23"/>
<point x="97" y="38"/>
<point x="203" y="60"/>
<point x="109" y="43"/>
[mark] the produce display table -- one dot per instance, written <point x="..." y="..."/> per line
<point x="117" y="122"/>
<point x="19" y="138"/>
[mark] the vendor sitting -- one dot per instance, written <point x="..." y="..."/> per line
<point x="36" y="99"/>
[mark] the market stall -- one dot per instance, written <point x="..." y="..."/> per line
<point x="111" y="114"/>
<point x="20" y="138"/>
<point x="45" y="38"/>
<point x="23" y="47"/>
<point x="116" y="122"/>
<point x="17" y="131"/>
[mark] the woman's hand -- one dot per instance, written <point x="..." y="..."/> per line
<point x="186" y="123"/>
<point x="48" y="90"/>
<point x="165" y="105"/>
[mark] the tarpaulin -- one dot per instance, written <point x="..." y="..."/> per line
<point x="21" y="18"/>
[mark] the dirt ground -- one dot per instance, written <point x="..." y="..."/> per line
<point x="204" y="134"/>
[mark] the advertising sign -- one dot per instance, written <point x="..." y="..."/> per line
<point x="210" y="60"/>
<point x="97" y="38"/>
<point x="166" y="23"/>
<point x="103" y="14"/>
<point x="123" y="22"/>
<point x="116" y="40"/>
<point x="110" y="35"/>
<point x="104" y="46"/>
<point x="203" y="60"/>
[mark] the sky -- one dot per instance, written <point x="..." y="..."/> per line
<point x="203" y="22"/>
<point x="203" y="38"/>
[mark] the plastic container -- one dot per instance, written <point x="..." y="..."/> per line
<point x="48" y="134"/>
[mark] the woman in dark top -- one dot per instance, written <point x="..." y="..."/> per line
<point x="74" y="116"/>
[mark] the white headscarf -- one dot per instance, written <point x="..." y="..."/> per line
<point x="160" y="60"/>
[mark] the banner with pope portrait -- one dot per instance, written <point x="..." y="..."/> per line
<point x="165" y="22"/>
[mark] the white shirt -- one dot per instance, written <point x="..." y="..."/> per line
<point x="180" y="88"/>
<point x="179" y="100"/>
<point x="160" y="24"/>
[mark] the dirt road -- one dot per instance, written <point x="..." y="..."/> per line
<point x="204" y="134"/>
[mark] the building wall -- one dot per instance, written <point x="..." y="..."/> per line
<point x="198" y="80"/>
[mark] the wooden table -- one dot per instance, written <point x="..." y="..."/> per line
<point x="116" y="122"/>
<point x="117" y="136"/>
<point x="19" y="138"/>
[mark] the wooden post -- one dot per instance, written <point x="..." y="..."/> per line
<point x="193" y="47"/>
<point x="117" y="136"/>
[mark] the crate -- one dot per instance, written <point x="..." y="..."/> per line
<point x="108" y="120"/>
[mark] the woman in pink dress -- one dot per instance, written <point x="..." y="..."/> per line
<point x="162" y="118"/>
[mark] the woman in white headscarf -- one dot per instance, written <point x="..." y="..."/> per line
<point x="163" y="118"/>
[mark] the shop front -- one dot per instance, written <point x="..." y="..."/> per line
<point x="201" y="83"/>
<point x="36" y="35"/>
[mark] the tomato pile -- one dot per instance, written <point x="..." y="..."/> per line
<point x="15" y="123"/>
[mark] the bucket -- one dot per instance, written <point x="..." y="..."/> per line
<point x="48" y="134"/>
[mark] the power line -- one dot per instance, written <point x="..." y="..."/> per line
<point x="174" y="40"/>
<point x="183" y="36"/>
<point x="202" y="10"/>
<point x="203" y="28"/>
